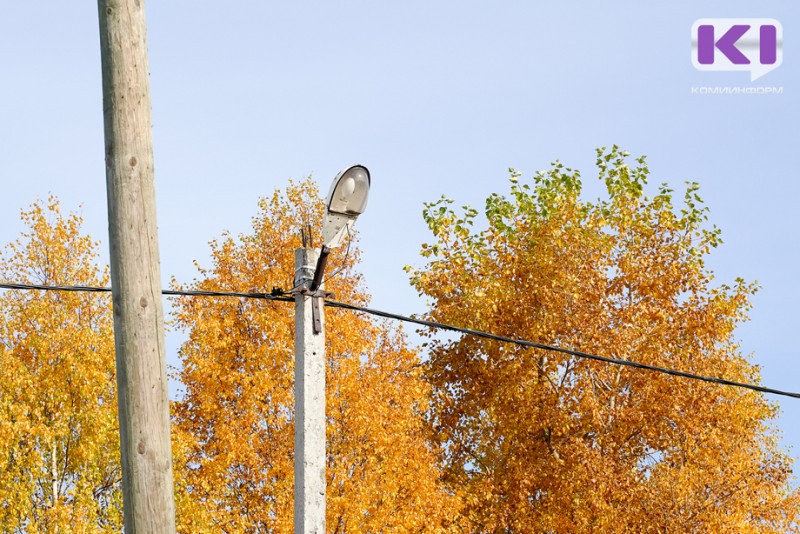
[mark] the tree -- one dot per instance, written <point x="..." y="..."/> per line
<point x="235" y="421"/>
<point x="542" y="442"/>
<point x="59" y="465"/>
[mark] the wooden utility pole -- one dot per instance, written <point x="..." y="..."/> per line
<point x="147" y="489"/>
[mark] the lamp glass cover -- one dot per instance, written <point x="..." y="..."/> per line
<point x="349" y="192"/>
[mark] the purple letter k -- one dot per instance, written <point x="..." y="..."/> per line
<point x="726" y="44"/>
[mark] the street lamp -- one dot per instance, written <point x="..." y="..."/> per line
<point x="346" y="201"/>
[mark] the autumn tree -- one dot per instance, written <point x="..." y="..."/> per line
<point x="537" y="441"/>
<point x="235" y="422"/>
<point x="59" y="444"/>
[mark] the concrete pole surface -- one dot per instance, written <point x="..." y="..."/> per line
<point x="148" y="502"/>
<point x="309" y="404"/>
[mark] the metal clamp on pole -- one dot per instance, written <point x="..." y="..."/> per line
<point x="317" y="298"/>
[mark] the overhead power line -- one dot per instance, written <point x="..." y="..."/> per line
<point x="276" y="295"/>
<point x="279" y="295"/>
<point x="576" y="353"/>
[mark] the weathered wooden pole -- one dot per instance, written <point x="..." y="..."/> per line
<point x="135" y="273"/>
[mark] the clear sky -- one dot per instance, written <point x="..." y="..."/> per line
<point x="435" y="98"/>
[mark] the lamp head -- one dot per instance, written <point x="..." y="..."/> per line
<point x="349" y="191"/>
<point x="346" y="201"/>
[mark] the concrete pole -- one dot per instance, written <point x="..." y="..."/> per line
<point x="309" y="403"/>
<point x="147" y="490"/>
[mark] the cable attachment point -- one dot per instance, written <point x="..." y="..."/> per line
<point x="277" y="291"/>
<point x="306" y="292"/>
<point x="318" y="297"/>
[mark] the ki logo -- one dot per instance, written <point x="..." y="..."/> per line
<point x="754" y="45"/>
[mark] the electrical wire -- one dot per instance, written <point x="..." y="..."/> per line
<point x="280" y="295"/>
<point x="576" y="353"/>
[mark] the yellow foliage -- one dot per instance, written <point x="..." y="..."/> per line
<point x="59" y="445"/>
<point x="235" y="423"/>
<point x="542" y="442"/>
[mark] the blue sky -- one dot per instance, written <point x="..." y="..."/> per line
<point x="436" y="98"/>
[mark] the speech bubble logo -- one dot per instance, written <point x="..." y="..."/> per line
<point x="754" y="45"/>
